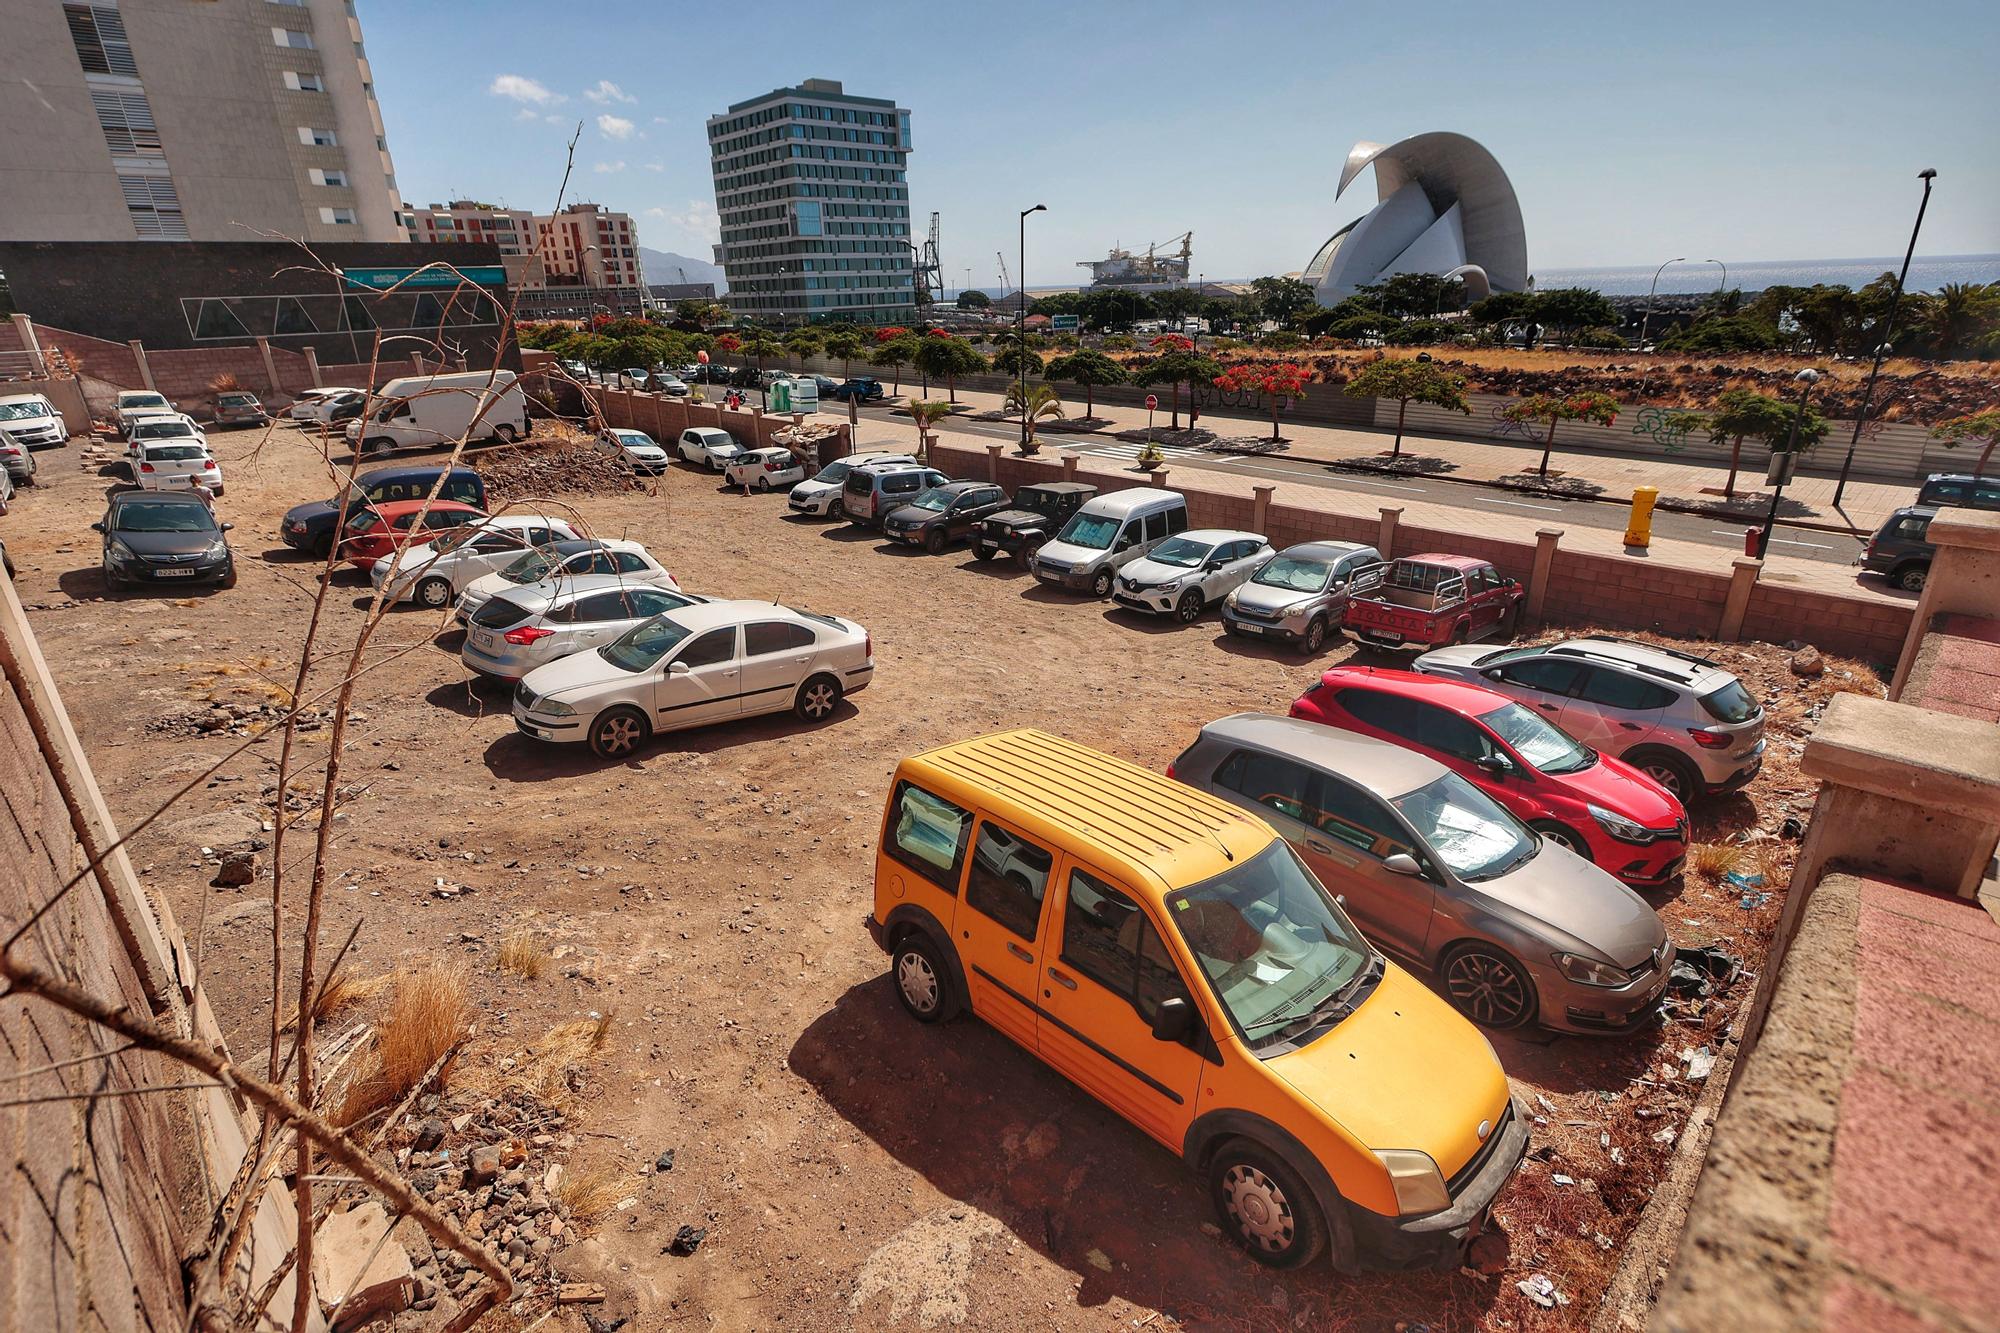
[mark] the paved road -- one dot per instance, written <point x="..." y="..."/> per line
<point x="1802" y="543"/>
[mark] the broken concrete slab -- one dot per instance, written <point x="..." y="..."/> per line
<point x="341" y="1247"/>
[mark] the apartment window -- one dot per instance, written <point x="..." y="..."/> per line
<point x="304" y="83"/>
<point x="101" y="44"/>
<point x="154" y="207"/>
<point x="337" y="216"/>
<point x="295" y="4"/>
<point x="127" y="122"/>
<point x="320" y="177"/>
<point x="318" y="138"/>
<point x="292" y="37"/>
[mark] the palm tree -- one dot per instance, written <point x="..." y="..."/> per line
<point x="1955" y="314"/>
<point x="1040" y="400"/>
<point x="926" y="415"/>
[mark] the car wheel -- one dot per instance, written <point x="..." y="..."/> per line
<point x="934" y="541"/>
<point x="1461" y="631"/>
<point x="1025" y="557"/>
<point x="923" y="985"/>
<point x="322" y="547"/>
<point x="1101" y="585"/>
<point x="1489" y="987"/>
<point x="433" y="593"/>
<point x="381" y="448"/>
<point x="1911" y="578"/>
<point x="1189" y="608"/>
<point x="1264" y="1205"/>
<point x="1562" y="836"/>
<point x="817" y="698"/>
<point x="1671" y="771"/>
<point x="1315" y="638"/>
<point x="618" y="732"/>
<point x="981" y="551"/>
<point x="835" y="509"/>
<point x="763" y="483"/>
<point x="506" y="433"/>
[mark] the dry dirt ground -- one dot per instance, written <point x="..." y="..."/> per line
<point x="852" y="1169"/>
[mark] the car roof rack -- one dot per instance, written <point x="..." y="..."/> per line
<point x="1658" y="672"/>
<point x="1654" y="647"/>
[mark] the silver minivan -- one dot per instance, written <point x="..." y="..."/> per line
<point x="1107" y="534"/>
<point x="1298" y="594"/>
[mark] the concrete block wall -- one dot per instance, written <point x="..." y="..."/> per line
<point x="665" y="418"/>
<point x="1872" y="631"/>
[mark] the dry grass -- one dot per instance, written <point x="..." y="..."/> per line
<point x="586" y="1196"/>
<point x="213" y="681"/>
<point x="552" y="1068"/>
<point x="344" y="992"/>
<point x="428" y="1016"/>
<point x="524" y="954"/>
<point x="1712" y="860"/>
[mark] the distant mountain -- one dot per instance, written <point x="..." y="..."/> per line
<point x="664" y="266"/>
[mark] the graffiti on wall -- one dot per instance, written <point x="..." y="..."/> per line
<point x="1667" y="427"/>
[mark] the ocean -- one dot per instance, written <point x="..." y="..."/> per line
<point x="1927" y="274"/>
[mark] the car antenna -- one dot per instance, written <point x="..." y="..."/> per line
<point x="1227" y="854"/>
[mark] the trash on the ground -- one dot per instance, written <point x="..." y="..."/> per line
<point x="1618" y="1157"/>
<point x="1750" y="902"/>
<point x="686" y="1241"/>
<point x="1699" y="1061"/>
<point x="1737" y="879"/>
<point x="1541" y="1289"/>
<point x="1793" y="828"/>
<point x="665" y="1161"/>
<point x="1698" y="973"/>
<point x="1547" y="1105"/>
<point x="596" y="1325"/>
<point x="1666" y="1135"/>
<point x="1560" y="1179"/>
<point x="1099" y="1260"/>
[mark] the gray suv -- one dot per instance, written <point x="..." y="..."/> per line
<point x="869" y="493"/>
<point x="1901" y="552"/>
<point x="1517" y="928"/>
<point x="1298" y="594"/>
<point x="1682" y="720"/>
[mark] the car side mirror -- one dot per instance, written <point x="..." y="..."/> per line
<point x="1402" y="863"/>
<point x="1499" y="765"/>
<point x="97" y="527"/>
<point x="228" y="527"/>
<point x="1211" y="566"/>
<point x="678" y="668"/>
<point x="1491" y="673"/>
<point x="1173" y="1020"/>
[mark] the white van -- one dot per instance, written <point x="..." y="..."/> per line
<point x="1108" y="533"/>
<point x="33" y="420"/>
<point x="426" y="410"/>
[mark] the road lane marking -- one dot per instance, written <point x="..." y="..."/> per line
<point x="1782" y="541"/>
<point x="1518" y="504"/>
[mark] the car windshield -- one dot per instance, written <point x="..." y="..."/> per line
<point x="1508" y="655"/>
<point x="1548" y="749"/>
<point x="935" y="500"/>
<point x="633" y="439"/>
<point x="1181" y="553"/>
<point x="644" y="644"/>
<point x="1092" y="531"/>
<point x="22" y="411"/>
<point x="1296" y="575"/>
<point x="165" y="430"/>
<point x="1279" y="954"/>
<point x="833" y="472"/>
<point x="174" y="453"/>
<point x="166" y="517"/>
<point x="1731" y="703"/>
<point x="137" y="400"/>
<point x="1465" y="829"/>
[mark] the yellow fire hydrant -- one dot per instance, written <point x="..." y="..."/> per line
<point x="1639" y="529"/>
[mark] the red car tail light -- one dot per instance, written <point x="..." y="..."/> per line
<point x="147" y="467"/>
<point x="770" y="465"/>
<point x="1170" y="770"/>
<point x="868" y="647"/>
<point x="526" y="635"/>
<point x="1709" y="740"/>
<point x="208" y="465"/>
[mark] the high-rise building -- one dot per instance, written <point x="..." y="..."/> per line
<point x="205" y="120"/>
<point x="814" y="201"/>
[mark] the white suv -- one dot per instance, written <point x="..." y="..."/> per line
<point x="1682" y="720"/>
<point x="1183" y="576"/>
<point x="820" y="496"/>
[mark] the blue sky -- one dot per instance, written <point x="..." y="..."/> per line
<point x="1762" y="130"/>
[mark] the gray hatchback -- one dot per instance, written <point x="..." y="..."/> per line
<point x="1516" y="928"/>
<point x="1298" y="594"/>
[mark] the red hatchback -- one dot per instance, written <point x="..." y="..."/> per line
<point x="381" y="529"/>
<point x="1599" y="807"/>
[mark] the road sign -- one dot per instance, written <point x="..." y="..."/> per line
<point x="1058" y="323"/>
<point x="1152" y="401"/>
<point x="381" y="279"/>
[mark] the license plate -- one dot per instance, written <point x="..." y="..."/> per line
<point x="173" y="573"/>
<point x="483" y="640"/>
<point x="1391" y="635"/>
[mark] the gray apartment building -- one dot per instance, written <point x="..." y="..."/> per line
<point x="204" y="120"/>
<point x="811" y="188"/>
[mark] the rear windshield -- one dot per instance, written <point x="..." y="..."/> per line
<point x="1731" y="703"/>
<point x="174" y="453"/>
<point x="860" y="483"/>
<point x="499" y="613"/>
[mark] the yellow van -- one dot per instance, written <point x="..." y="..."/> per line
<point x="1172" y="956"/>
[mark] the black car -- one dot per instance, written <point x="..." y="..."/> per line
<point x="310" y="527"/>
<point x="863" y="388"/>
<point x="155" y="537"/>
<point x="1038" y="512"/>
<point x="828" y="388"/>
<point x="1958" y="490"/>
<point x="944" y="514"/>
<point x="1902" y="550"/>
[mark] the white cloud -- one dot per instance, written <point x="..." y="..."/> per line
<point x="556" y="120"/>
<point x="607" y="168"/>
<point x="697" y="221"/>
<point x="656" y="166"/>
<point x="523" y="89"/>
<point x="606" y="92"/>
<point x="529" y="113"/>
<point x="659" y="213"/>
<point x="661" y="120"/>
<point x="614" y="127"/>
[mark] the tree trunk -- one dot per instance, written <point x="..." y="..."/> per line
<point x="1402" y="408"/>
<point x="1548" y="443"/>
<point x="951" y="389"/>
<point x="1089" y="408"/>
<point x="1985" y="455"/>
<point x="1735" y="459"/>
<point x="1274" y="418"/>
<point x="1174" y="422"/>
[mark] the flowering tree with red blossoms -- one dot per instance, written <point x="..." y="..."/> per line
<point x="1276" y="380"/>
<point x="890" y="333"/>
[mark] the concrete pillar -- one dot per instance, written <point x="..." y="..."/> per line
<point x="1742" y="582"/>
<point x="1546" y="542"/>
<point x="1964" y="580"/>
<point x="312" y="367"/>
<point x="1385" y="536"/>
<point x="1069" y="467"/>
<point x="139" y="359"/>
<point x="24" y="329"/>
<point x="1160" y="477"/>
<point x="270" y="366"/>
<point x="993" y="462"/>
<point x="1260" y="511"/>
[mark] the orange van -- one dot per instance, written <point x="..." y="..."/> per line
<point x="1173" y="957"/>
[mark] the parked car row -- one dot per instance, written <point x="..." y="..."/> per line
<point x="1901" y="549"/>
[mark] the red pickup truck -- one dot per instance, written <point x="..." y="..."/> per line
<point x="1423" y="601"/>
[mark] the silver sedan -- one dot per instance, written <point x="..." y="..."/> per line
<point x="1517" y="929"/>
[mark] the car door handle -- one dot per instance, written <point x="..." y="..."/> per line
<point x="1631" y="726"/>
<point x="1548" y="708"/>
<point x="1019" y="952"/>
<point x="1314" y="844"/>
<point x="1063" y="979"/>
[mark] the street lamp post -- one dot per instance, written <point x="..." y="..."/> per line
<point x="1723" y="285"/>
<point x="1927" y="175"/>
<point x="1806" y="378"/>
<point x="1021" y="326"/>
<point x="1647" y="318"/>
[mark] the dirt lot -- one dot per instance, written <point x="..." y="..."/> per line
<point x="852" y="1169"/>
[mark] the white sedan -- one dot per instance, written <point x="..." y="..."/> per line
<point x="820" y="497"/>
<point x="310" y="405"/>
<point x="566" y="560"/>
<point x="433" y="573"/>
<point x="701" y="664"/>
<point x="163" y="428"/>
<point x="1184" y="575"/>
<point x="528" y="627"/>
<point x="175" y="465"/>
<point x="634" y="447"/>
<point x="765" y="469"/>
<point x="709" y="446"/>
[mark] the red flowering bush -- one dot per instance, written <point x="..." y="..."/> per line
<point x="1172" y="342"/>
<point x="939" y="333"/>
<point x="728" y="342"/>
<point x="1276" y="380"/>
<point x="889" y="332"/>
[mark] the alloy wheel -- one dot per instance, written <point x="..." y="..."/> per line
<point x="619" y="735"/>
<point x="1487" y="988"/>
<point x="818" y="701"/>
<point x="1667" y="776"/>
<point x="1257" y="1206"/>
<point x="917" y="981"/>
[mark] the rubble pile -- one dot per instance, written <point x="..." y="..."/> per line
<point x="805" y="436"/>
<point x="573" y="467"/>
